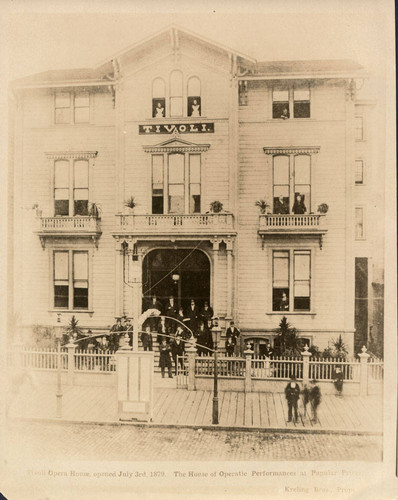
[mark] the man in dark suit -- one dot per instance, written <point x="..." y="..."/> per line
<point x="292" y="393"/>
<point x="192" y="314"/>
<point x="233" y="332"/>
<point x="206" y="313"/>
<point x="171" y="311"/>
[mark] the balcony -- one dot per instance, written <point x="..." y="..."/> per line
<point x="177" y="225"/>
<point x="292" y="225"/>
<point x="79" y="226"/>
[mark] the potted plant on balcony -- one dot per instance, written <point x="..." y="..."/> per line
<point x="323" y="208"/>
<point x="94" y="210"/>
<point x="216" y="207"/>
<point x="39" y="211"/>
<point x="263" y="206"/>
<point x="130" y="203"/>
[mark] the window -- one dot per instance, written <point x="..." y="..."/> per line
<point x="280" y="104"/>
<point x="301" y="103"/>
<point x="72" y="108"/>
<point x="358" y="171"/>
<point x="176" y="93"/>
<point x="158" y="98"/>
<point x="178" y="175"/>
<point x="70" y="276"/>
<point x="359" y="128"/>
<point x="194" y="101"/>
<point x="293" y="102"/>
<point x="291" y="280"/>
<point x="292" y="184"/>
<point x="359" y="223"/>
<point x="184" y="96"/>
<point x="71" y="187"/>
<point x="176" y="184"/>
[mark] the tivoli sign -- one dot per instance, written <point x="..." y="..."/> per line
<point x="180" y="128"/>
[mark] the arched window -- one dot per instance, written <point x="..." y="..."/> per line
<point x="158" y="98"/>
<point x="176" y="93"/>
<point x="194" y="105"/>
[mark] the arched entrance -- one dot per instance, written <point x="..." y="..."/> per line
<point x="181" y="273"/>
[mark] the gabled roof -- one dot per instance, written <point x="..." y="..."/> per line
<point x="55" y="76"/>
<point x="169" y="31"/>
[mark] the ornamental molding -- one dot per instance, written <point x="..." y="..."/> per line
<point x="290" y="150"/>
<point x="75" y="155"/>
<point x="176" y="145"/>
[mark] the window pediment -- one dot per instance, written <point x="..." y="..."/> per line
<point x="176" y="145"/>
<point x="290" y="150"/>
<point x="76" y="155"/>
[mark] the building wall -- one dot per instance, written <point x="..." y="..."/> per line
<point x="122" y="169"/>
<point x="327" y="129"/>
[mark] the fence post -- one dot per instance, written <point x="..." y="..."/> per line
<point x="363" y="380"/>
<point x="248" y="372"/>
<point x="71" y="362"/>
<point x="306" y="365"/>
<point x="267" y="366"/>
<point x="191" y="352"/>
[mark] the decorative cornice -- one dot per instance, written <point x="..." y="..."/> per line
<point x="200" y="148"/>
<point x="59" y="155"/>
<point x="291" y="150"/>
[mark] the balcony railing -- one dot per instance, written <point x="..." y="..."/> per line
<point x="292" y="224"/>
<point x="177" y="224"/>
<point x="69" y="226"/>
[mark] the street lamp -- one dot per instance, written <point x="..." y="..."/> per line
<point x="215" y="333"/>
<point x="58" y="393"/>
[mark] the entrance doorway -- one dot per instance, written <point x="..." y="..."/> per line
<point x="181" y="273"/>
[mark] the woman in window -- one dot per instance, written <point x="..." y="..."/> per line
<point x="299" y="207"/>
<point x="159" y="110"/>
<point x="195" y="108"/>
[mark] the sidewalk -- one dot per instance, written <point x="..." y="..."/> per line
<point x="194" y="408"/>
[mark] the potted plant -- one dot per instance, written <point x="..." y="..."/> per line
<point x="130" y="203"/>
<point x="216" y="207"/>
<point x="323" y="208"/>
<point x="39" y="211"/>
<point x="94" y="210"/>
<point x="262" y="205"/>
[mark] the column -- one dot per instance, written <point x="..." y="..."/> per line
<point x="229" y="277"/>
<point x="363" y="381"/>
<point x="306" y="365"/>
<point x="248" y="372"/>
<point x="71" y="362"/>
<point x="216" y="248"/>
<point x="191" y="352"/>
<point x="118" y="278"/>
<point x="137" y="295"/>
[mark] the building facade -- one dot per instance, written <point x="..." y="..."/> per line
<point x="179" y="123"/>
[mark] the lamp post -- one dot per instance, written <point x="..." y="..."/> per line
<point x="215" y="336"/>
<point x="58" y="393"/>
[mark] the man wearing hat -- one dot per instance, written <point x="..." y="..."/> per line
<point x="292" y="393"/>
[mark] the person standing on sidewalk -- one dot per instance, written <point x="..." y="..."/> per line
<point x="315" y="399"/>
<point x="292" y="393"/>
<point x="338" y="378"/>
<point x="164" y="359"/>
